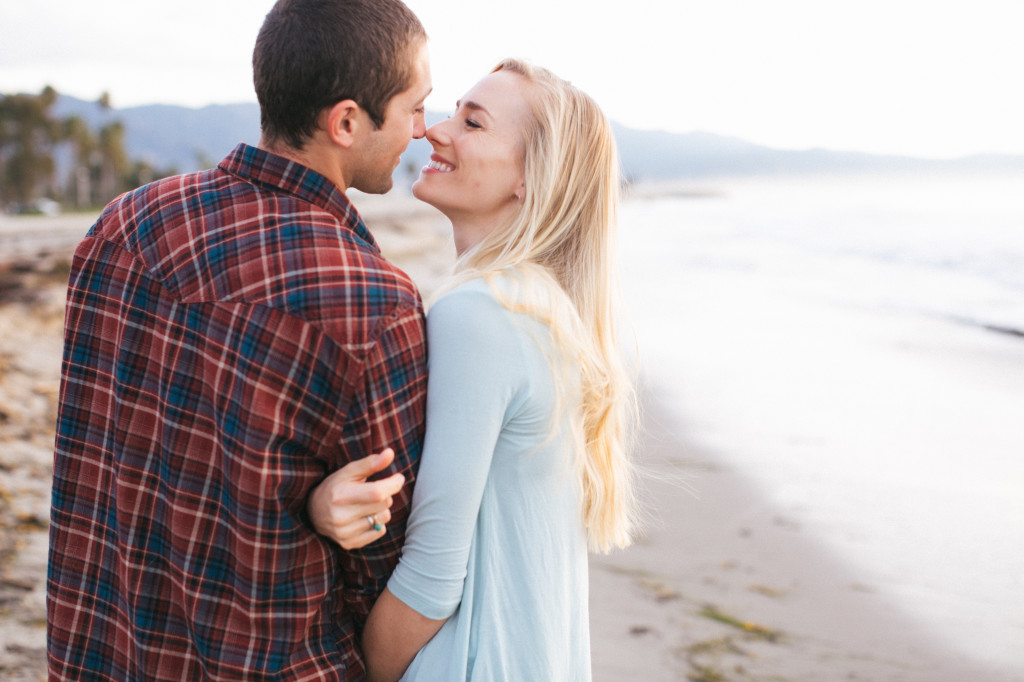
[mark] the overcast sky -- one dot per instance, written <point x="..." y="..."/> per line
<point x="934" y="78"/>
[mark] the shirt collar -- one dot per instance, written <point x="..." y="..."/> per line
<point x="264" y="168"/>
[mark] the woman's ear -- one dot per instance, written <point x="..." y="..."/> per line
<point x="343" y="122"/>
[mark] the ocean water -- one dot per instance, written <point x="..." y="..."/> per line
<point x="855" y="345"/>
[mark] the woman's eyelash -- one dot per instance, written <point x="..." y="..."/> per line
<point x="469" y="122"/>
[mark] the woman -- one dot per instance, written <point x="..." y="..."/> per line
<point x="524" y="462"/>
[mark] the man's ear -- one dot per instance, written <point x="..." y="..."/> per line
<point x="343" y="122"/>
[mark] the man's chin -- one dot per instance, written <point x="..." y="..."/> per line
<point x="380" y="186"/>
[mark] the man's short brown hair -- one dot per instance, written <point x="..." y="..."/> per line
<point x="311" y="54"/>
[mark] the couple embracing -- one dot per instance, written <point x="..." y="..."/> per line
<point x="253" y="477"/>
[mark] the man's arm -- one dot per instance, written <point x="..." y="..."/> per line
<point x="388" y="412"/>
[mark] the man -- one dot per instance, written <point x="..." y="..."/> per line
<point x="232" y="337"/>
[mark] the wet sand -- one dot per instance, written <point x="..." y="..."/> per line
<point x="725" y="587"/>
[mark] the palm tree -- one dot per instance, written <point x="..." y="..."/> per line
<point x="28" y="133"/>
<point x="84" y="146"/>
<point x="113" y="160"/>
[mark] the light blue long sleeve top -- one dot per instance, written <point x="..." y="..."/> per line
<point x="495" y="541"/>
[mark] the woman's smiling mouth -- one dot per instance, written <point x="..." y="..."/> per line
<point x="438" y="164"/>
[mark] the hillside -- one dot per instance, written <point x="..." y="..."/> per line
<point x="175" y="137"/>
<point x="188" y="139"/>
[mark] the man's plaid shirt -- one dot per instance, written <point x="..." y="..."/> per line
<point x="232" y="336"/>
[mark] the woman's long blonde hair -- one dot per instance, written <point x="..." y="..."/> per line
<point x="561" y="247"/>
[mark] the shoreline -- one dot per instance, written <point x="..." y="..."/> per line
<point x="801" y="341"/>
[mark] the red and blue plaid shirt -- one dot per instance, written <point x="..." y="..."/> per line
<point x="232" y="336"/>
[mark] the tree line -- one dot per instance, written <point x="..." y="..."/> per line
<point x="62" y="160"/>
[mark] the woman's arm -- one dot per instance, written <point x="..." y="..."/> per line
<point x="475" y="371"/>
<point x="393" y="636"/>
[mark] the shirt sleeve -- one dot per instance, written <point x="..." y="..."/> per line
<point x="475" y="368"/>
<point x="391" y="414"/>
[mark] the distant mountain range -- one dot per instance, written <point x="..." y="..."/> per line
<point x="185" y="139"/>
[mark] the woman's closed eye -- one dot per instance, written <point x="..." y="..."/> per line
<point x="468" y="122"/>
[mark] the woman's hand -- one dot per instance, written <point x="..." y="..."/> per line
<point x="348" y="509"/>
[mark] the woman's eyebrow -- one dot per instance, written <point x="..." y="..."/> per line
<point x="474" y="106"/>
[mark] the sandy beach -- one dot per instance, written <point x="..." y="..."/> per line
<point x="724" y="585"/>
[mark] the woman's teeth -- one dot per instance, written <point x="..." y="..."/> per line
<point x="439" y="166"/>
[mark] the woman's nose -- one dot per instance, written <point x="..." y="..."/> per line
<point x="438" y="134"/>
